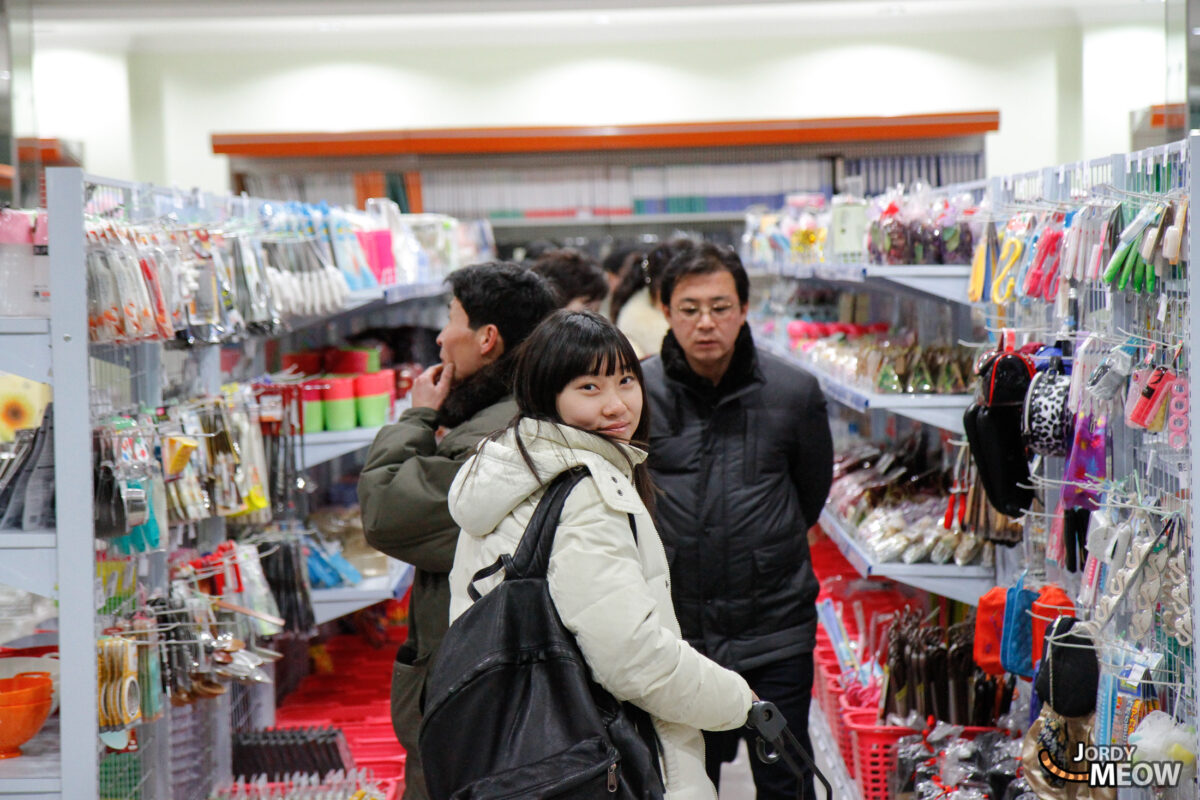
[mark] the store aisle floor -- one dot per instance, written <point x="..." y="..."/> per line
<point x="323" y="699"/>
<point x="738" y="784"/>
<point x="736" y="781"/>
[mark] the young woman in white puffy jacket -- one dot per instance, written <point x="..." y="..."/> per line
<point x="579" y="390"/>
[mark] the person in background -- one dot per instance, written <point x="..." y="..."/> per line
<point x="614" y="265"/>
<point x="636" y="308"/>
<point x="409" y="468"/>
<point x="741" y="449"/>
<point x="582" y="403"/>
<point x="577" y="281"/>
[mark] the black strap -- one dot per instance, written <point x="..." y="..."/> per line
<point x="486" y="572"/>
<point x="532" y="557"/>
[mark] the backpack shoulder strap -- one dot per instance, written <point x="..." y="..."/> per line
<point x="532" y="557"/>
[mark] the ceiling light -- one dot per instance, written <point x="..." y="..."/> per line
<point x="603" y="19"/>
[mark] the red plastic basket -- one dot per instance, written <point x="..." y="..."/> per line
<point x="833" y="712"/>
<point x="874" y="753"/>
<point x="845" y="740"/>
<point x="875" y="750"/>
<point x="383" y="768"/>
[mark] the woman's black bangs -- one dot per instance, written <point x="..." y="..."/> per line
<point x="612" y="359"/>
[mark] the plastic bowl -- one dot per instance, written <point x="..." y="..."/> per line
<point x="19" y="724"/>
<point x="26" y="688"/>
<point x="10" y="667"/>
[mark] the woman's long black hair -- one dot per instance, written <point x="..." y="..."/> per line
<point x="566" y="345"/>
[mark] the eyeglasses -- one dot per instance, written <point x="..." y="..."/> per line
<point x="717" y="312"/>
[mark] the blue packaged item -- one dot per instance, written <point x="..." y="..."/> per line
<point x="1016" y="643"/>
<point x="321" y="573"/>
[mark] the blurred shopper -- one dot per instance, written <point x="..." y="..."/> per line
<point x="409" y="468"/>
<point x="741" y="449"/>
<point x="582" y="403"/>
<point x="614" y="265"/>
<point x="577" y="279"/>
<point x="636" y="306"/>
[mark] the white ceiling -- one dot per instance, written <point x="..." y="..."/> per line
<point x="194" y="25"/>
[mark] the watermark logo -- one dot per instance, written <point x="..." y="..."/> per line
<point x="1114" y="767"/>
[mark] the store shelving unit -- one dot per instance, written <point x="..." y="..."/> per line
<point x="964" y="584"/>
<point x="942" y="410"/>
<point x="62" y="761"/>
<point x="330" y="604"/>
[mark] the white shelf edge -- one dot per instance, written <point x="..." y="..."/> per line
<point x="829" y="757"/>
<point x="405" y="292"/>
<point x="944" y="281"/>
<point x="330" y="604"/>
<point x="942" y="410"/>
<point x="328" y="445"/>
<point x="25" y="326"/>
<point x="31" y="788"/>
<point x="31" y="569"/>
<point x="380" y="296"/>
<point x="28" y="352"/>
<point x="28" y="540"/>
<point x="964" y="584"/>
<point x="502" y="223"/>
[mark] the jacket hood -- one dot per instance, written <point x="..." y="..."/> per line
<point x="497" y="478"/>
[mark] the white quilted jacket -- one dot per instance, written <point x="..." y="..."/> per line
<point x="612" y="593"/>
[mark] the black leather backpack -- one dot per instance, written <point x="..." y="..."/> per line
<point x="511" y="710"/>
<point x="993" y="427"/>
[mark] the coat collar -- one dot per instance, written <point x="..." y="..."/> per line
<point x="485" y="388"/>
<point x="497" y="478"/>
<point x="743" y="368"/>
<point x="542" y="436"/>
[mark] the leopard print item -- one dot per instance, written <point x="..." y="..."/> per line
<point x="1047" y="424"/>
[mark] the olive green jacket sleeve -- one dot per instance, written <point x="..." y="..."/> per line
<point x="402" y="489"/>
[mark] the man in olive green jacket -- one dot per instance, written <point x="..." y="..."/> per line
<point x="411" y="464"/>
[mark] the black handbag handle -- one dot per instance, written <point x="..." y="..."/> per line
<point x="532" y="557"/>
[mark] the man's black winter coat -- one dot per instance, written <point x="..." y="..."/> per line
<point x="744" y="469"/>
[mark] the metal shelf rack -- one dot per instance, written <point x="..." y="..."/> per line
<point x="943" y="281"/>
<point x="330" y="604"/>
<point x="619" y="220"/>
<point x="964" y="584"/>
<point x="942" y="410"/>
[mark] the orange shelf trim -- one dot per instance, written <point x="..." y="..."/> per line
<point x="448" y="141"/>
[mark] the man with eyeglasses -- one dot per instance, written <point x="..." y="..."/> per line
<point x="741" y="449"/>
